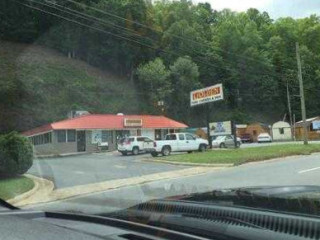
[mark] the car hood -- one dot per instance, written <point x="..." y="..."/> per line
<point x="297" y="199"/>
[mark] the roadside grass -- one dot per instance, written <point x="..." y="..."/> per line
<point x="244" y="155"/>
<point x="11" y="187"/>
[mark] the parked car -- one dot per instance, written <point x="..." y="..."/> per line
<point x="179" y="142"/>
<point x="225" y="141"/>
<point x="135" y="145"/>
<point x="246" y="138"/>
<point x="264" y="137"/>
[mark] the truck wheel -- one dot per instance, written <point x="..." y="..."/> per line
<point x="189" y="152"/>
<point x="124" y="153"/>
<point x="222" y="145"/>
<point x="166" y="151"/>
<point x="135" y="151"/>
<point x="202" y="148"/>
<point x="154" y="154"/>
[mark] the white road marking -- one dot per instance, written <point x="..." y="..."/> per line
<point x="309" y="170"/>
<point x="120" y="166"/>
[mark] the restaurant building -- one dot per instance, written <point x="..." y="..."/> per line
<point x="88" y="133"/>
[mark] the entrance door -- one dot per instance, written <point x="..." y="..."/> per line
<point x="81" y="141"/>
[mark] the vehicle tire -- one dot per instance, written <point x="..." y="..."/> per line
<point x="202" y="148"/>
<point x="135" y="151"/>
<point x="154" y="154"/>
<point x="124" y="153"/>
<point x="222" y="145"/>
<point x="189" y="152"/>
<point x="166" y="151"/>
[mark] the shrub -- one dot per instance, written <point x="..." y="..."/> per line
<point x="16" y="154"/>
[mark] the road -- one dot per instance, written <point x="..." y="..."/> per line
<point x="93" y="168"/>
<point x="298" y="170"/>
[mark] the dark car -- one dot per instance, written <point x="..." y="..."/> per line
<point x="246" y="138"/>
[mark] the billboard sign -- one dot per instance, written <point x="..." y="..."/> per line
<point x="316" y="125"/>
<point x="130" y="122"/>
<point x="220" y="128"/>
<point x="206" y="95"/>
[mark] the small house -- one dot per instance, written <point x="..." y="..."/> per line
<point x="255" y="129"/>
<point x="313" y="129"/>
<point x="281" y="131"/>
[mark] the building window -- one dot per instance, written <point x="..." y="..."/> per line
<point x="61" y="136"/>
<point x="41" y="139"/>
<point x="47" y="138"/>
<point x="281" y="131"/>
<point x="71" y="134"/>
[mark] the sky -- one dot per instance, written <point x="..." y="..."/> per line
<point x="275" y="8"/>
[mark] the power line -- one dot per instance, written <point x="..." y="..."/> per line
<point x="106" y="32"/>
<point x="128" y="39"/>
<point x="179" y="37"/>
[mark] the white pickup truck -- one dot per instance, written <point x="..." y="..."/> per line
<point x="179" y="142"/>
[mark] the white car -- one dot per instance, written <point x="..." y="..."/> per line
<point x="179" y="142"/>
<point x="225" y="141"/>
<point x="135" y="145"/>
<point x="264" y="137"/>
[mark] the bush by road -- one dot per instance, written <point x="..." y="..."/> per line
<point x="239" y="156"/>
<point x="16" y="155"/>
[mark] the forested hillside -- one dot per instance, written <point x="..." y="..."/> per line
<point x="166" y="49"/>
<point x="38" y="85"/>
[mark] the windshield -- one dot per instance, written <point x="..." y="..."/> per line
<point x="108" y="104"/>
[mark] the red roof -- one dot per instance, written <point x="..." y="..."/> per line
<point x="107" y="121"/>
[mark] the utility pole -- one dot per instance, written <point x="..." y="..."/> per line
<point x="207" y="107"/>
<point x="289" y="108"/>
<point x="303" y="105"/>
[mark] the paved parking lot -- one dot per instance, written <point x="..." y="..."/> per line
<point x="92" y="168"/>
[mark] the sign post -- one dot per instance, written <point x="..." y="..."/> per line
<point x="206" y="96"/>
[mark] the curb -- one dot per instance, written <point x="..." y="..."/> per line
<point x="43" y="187"/>
<point x="50" y="195"/>
<point x="25" y="195"/>
<point x="59" y="155"/>
<point x="219" y="165"/>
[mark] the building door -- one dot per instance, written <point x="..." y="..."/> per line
<point x="81" y="141"/>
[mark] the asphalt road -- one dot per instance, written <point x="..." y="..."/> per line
<point x="93" y="168"/>
<point x="301" y="170"/>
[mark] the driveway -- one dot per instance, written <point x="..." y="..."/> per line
<point x="93" y="168"/>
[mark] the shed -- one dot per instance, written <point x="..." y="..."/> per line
<point x="313" y="128"/>
<point x="200" y="132"/>
<point x="255" y="129"/>
<point x="281" y="131"/>
<point x="241" y="129"/>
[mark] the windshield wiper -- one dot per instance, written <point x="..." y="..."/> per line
<point x="7" y="205"/>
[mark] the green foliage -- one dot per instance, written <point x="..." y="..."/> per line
<point x="185" y="78"/>
<point x="16" y="154"/>
<point x="251" y="54"/>
<point x="154" y="79"/>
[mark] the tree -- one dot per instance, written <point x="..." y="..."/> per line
<point x="154" y="79"/>
<point x="185" y="78"/>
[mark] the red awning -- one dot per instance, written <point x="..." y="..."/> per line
<point x="107" y="121"/>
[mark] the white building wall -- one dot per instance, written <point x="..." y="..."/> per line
<point x="148" y="133"/>
<point x="276" y="131"/>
